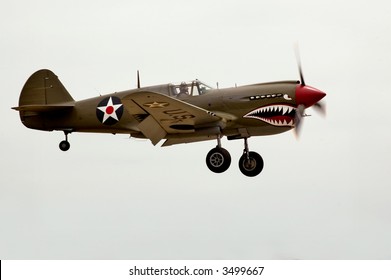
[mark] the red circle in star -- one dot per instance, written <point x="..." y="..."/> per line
<point x="109" y="110"/>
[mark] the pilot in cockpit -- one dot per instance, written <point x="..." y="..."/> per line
<point x="183" y="89"/>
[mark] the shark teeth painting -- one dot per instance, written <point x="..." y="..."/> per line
<point x="277" y="115"/>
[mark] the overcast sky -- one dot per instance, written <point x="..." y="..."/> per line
<point x="324" y="196"/>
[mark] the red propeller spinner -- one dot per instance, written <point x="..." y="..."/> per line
<point x="308" y="96"/>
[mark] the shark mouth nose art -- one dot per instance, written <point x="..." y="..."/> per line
<point x="277" y="115"/>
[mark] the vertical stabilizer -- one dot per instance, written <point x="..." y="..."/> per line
<point x="44" y="88"/>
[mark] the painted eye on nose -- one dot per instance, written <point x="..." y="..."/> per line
<point x="286" y="97"/>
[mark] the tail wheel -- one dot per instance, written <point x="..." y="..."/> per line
<point x="64" y="145"/>
<point x="218" y="160"/>
<point x="251" y="164"/>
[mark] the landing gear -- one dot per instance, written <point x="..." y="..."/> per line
<point x="250" y="163"/>
<point x="218" y="159"/>
<point x="64" y="145"/>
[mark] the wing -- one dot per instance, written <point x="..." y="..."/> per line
<point x="165" y="116"/>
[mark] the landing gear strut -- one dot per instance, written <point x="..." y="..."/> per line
<point x="250" y="163"/>
<point x="64" y="145"/>
<point x="218" y="159"/>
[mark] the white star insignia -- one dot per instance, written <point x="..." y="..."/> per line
<point x="110" y="110"/>
<point x="156" y="104"/>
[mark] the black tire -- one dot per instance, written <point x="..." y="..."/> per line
<point x="252" y="165"/>
<point x="64" y="145"/>
<point x="218" y="160"/>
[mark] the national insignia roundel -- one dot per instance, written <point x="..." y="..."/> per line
<point x="109" y="111"/>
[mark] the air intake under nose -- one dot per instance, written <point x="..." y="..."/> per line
<point x="308" y="96"/>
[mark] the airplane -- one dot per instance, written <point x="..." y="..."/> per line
<point x="178" y="113"/>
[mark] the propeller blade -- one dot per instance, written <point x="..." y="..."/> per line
<point x="306" y="96"/>
<point x="298" y="119"/>
<point x="298" y="60"/>
<point x="320" y="107"/>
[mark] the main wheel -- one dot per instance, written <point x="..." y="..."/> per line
<point x="218" y="160"/>
<point x="252" y="165"/>
<point x="64" y="145"/>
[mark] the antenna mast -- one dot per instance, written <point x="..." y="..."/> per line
<point x="138" y="79"/>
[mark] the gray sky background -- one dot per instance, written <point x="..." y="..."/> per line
<point x="326" y="196"/>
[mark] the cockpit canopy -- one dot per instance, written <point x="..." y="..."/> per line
<point x="193" y="88"/>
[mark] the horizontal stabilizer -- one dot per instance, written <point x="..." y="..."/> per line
<point x="43" y="108"/>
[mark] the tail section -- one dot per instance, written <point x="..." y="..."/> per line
<point x="43" y="94"/>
